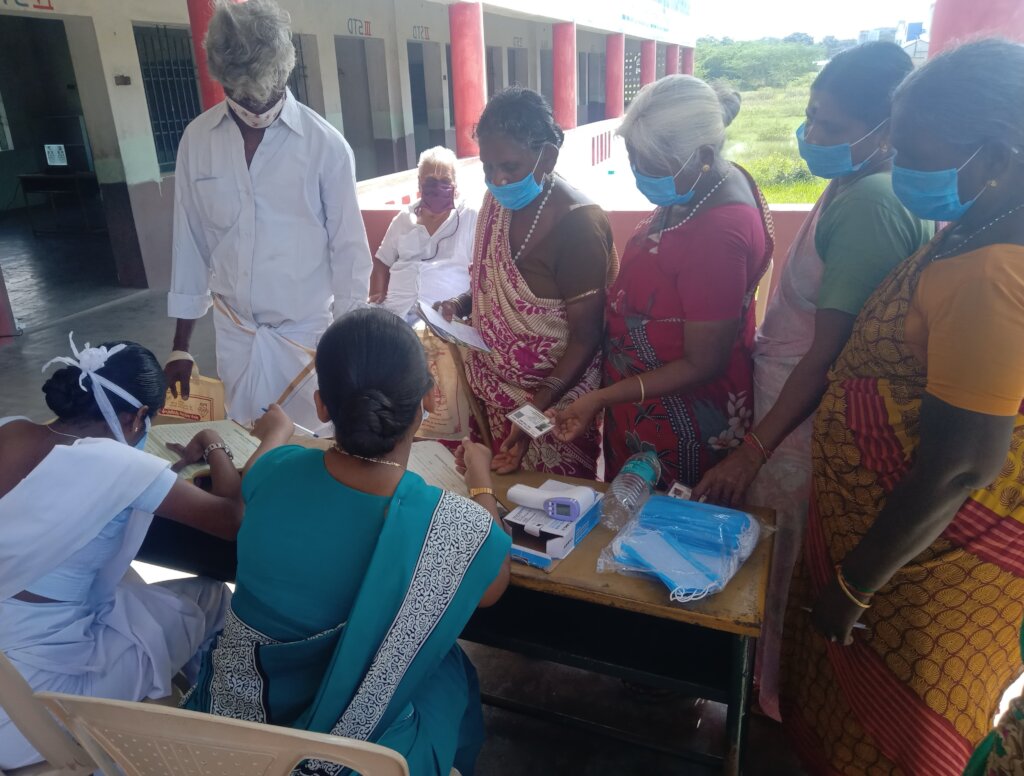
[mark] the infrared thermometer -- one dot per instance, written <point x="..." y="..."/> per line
<point x="559" y="500"/>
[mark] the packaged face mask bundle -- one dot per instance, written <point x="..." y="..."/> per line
<point x="693" y="548"/>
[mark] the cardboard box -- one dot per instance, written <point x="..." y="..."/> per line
<point x="541" y="541"/>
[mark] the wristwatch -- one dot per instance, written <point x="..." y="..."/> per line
<point x="474" y="492"/>
<point x="217" y="446"/>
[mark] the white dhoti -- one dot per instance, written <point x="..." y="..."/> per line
<point x="262" y="365"/>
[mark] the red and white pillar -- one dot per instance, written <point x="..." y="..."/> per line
<point x="648" y="62"/>
<point x="957" y="21"/>
<point x="563" y="56"/>
<point x="671" y="59"/>
<point x="199" y="14"/>
<point x="686" y="65"/>
<point x="469" y="73"/>
<point x="614" y="75"/>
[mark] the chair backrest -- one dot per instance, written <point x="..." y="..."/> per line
<point x="149" y="740"/>
<point x="57" y="748"/>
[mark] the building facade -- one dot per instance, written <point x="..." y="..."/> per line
<point x="116" y="81"/>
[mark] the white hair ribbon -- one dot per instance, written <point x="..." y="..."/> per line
<point x="90" y="360"/>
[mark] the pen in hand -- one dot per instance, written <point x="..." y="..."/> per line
<point x="303" y="429"/>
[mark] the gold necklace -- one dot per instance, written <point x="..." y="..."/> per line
<point x="60" y="433"/>
<point x="384" y="461"/>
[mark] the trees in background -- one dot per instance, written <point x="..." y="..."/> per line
<point x="755" y="64"/>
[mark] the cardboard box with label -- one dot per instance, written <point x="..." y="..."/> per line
<point x="542" y="541"/>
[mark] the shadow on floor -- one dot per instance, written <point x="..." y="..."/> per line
<point x="50" y="277"/>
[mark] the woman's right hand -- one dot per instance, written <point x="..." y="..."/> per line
<point x="572" y="421"/>
<point x="473" y="461"/>
<point x="449" y="309"/>
<point x="273" y="424"/>
<point x="727" y="483"/>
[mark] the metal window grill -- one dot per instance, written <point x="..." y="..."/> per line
<point x="169" y="79"/>
<point x="298" y="81"/>
<point x="631" y="76"/>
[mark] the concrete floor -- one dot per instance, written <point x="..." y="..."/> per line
<point x="56" y="294"/>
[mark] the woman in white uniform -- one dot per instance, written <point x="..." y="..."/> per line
<point x="76" y="500"/>
<point x="428" y="247"/>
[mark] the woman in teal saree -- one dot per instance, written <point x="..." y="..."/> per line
<point x="355" y="577"/>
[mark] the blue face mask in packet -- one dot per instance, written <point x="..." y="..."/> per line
<point x="693" y="548"/>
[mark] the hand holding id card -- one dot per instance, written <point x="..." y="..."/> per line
<point x="531" y="420"/>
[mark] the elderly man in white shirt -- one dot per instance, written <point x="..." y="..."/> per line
<point x="428" y="247"/>
<point x="267" y="227"/>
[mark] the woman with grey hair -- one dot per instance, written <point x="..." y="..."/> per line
<point x="677" y="370"/>
<point x="428" y="247"/>
<point x="917" y="521"/>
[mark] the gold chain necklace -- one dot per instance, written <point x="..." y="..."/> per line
<point x="60" y="433"/>
<point x="384" y="461"/>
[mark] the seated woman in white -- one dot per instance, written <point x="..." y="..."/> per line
<point x="76" y="499"/>
<point x="428" y="247"/>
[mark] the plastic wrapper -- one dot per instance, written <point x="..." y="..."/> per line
<point x="694" y="549"/>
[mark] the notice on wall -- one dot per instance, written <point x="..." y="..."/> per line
<point x="35" y="5"/>
<point x="56" y="156"/>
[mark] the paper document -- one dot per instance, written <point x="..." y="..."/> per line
<point x="436" y="465"/>
<point x="452" y="331"/>
<point x="238" y="439"/>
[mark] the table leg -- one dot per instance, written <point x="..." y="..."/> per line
<point x="739" y="701"/>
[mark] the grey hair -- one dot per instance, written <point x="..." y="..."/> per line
<point x="674" y="116"/>
<point x="249" y="49"/>
<point x="970" y="95"/>
<point x="438" y="156"/>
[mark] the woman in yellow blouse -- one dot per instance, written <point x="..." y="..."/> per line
<point x="917" y="521"/>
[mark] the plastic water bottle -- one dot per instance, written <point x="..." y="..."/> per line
<point x="630" y="489"/>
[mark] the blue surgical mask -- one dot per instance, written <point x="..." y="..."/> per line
<point x="933" y="195"/>
<point x="517" y="195"/>
<point x="662" y="191"/>
<point x="832" y="161"/>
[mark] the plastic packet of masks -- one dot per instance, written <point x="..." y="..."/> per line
<point x="694" y="549"/>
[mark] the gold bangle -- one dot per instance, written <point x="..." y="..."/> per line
<point x="643" y="392"/>
<point x="842" y="586"/>
<point x="474" y="492"/>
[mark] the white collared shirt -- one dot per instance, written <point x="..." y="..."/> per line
<point x="280" y="240"/>
<point x="431" y="267"/>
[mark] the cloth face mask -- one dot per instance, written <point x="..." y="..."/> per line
<point x="832" y="161"/>
<point x="519" y="194"/>
<point x="438" y="197"/>
<point x="258" y="120"/>
<point x="933" y="195"/>
<point x="662" y="191"/>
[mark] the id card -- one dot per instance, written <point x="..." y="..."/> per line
<point x="680" y="491"/>
<point x="531" y="420"/>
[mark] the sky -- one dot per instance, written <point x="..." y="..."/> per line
<point x="752" y="19"/>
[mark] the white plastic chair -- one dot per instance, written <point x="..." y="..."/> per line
<point x="62" y="756"/>
<point x="147" y="740"/>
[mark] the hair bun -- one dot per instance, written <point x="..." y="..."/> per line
<point x="369" y="425"/>
<point x="65" y="397"/>
<point x="730" y="101"/>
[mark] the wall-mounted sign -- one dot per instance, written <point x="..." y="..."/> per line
<point x="56" y="156"/>
<point x="359" y="27"/>
<point x="420" y="33"/>
<point x="34" y="5"/>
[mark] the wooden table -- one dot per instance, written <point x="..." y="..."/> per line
<point x="627" y="627"/>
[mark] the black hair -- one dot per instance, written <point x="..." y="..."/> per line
<point x="970" y="95"/>
<point x="373" y="374"/>
<point x="135" y="370"/>
<point x="523" y="115"/>
<point x="862" y="79"/>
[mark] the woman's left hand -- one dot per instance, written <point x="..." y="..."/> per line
<point x="834" y="615"/>
<point x="193" y="451"/>
<point x="510" y="454"/>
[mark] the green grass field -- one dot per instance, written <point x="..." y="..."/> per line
<point x="762" y="140"/>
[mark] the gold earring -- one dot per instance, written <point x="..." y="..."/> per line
<point x="993" y="183"/>
<point x="706" y="168"/>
